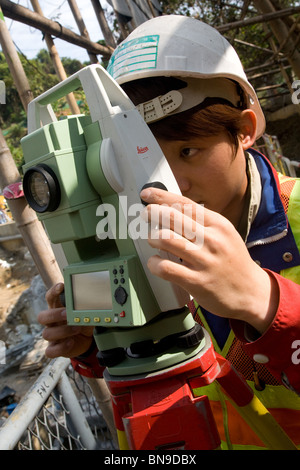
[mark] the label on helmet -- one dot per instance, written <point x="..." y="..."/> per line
<point x="134" y="55"/>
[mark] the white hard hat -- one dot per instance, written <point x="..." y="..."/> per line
<point x="180" y="46"/>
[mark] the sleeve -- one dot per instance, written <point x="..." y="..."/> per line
<point x="279" y="347"/>
<point x="87" y="364"/>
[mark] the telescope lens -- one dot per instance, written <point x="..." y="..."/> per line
<point x="41" y="188"/>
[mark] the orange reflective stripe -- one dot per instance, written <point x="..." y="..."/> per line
<point x="241" y="434"/>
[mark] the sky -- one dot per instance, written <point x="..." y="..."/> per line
<point x="30" y="41"/>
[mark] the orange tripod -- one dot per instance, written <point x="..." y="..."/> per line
<point x="161" y="410"/>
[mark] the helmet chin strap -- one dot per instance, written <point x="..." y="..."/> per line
<point x="196" y="91"/>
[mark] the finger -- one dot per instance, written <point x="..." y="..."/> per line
<point x="187" y="223"/>
<point x="52" y="295"/>
<point x="69" y="347"/>
<point x="172" y="272"/>
<point x="55" y="316"/>
<point x="60" y="348"/>
<point x="159" y="196"/>
<point x="57" y="333"/>
<point x="170" y="242"/>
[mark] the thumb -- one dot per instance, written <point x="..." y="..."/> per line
<point x="54" y="296"/>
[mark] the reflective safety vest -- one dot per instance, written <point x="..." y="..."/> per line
<point x="282" y="403"/>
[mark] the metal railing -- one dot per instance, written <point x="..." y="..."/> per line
<point x="59" y="412"/>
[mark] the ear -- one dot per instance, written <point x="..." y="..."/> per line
<point x="247" y="133"/>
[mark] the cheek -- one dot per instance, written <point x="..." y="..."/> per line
<point x="229" y="167"/>
<point x="219" y="184"/>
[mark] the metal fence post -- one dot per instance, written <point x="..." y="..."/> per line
<point x="75" y="418"/>
<point x="16" y="424"/>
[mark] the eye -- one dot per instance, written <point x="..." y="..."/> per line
<point x="188" y="152"/>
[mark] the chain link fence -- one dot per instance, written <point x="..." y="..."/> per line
<point x="59" y="412"/>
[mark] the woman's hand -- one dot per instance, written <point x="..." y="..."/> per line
<point x="216" y="268"/>
<point x="64" y="340"/>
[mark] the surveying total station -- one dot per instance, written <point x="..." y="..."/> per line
<point x="83" y="175"/>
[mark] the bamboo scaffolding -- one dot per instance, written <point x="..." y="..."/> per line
<point x="57" y="63"/>
<point x="54" y="28"/>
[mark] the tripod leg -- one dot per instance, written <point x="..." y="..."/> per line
<point x="121" y="406"/>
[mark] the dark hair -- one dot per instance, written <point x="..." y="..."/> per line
<point x="210" y="118"/>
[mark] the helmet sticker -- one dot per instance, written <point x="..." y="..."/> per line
<point x="137" y="54"/>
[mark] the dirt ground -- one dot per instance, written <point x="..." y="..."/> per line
<point x="16" y="273"/>
<point x="17" y="270"/>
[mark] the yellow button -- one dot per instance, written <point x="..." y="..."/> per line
<point x="97" y="319"/>
<point x="86" y="320"/>
<point x="107" y="320"/>
<point x="76" y="319"/>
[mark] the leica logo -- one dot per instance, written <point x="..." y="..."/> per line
<point x="141" y="150"/>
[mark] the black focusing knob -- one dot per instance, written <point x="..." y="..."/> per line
<point x="155" y="184"/>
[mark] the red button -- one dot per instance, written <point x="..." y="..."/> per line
<point x="122" y="314"/>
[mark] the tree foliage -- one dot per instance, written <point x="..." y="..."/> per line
<point x="177" y="7"/>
